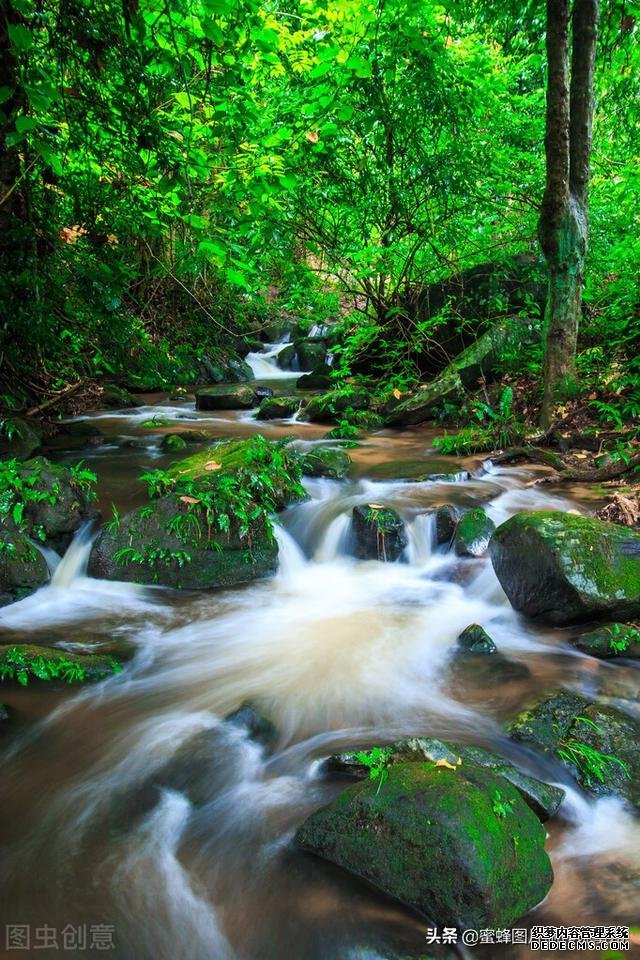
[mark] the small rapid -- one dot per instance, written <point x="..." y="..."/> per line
<point x="136" y="802"/>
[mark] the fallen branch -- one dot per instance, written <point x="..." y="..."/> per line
<point x="533" y="454"/>
<point x="599" y="474"/>
<point x="60" y="395"/>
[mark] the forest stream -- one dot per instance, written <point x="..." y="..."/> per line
<point x="339" y="654"/>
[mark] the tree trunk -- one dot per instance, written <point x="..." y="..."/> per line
<point x="11" y="201"/>
<point x="564" y="211"/>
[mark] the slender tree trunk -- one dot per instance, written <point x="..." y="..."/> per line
<point x="564" y="211"/>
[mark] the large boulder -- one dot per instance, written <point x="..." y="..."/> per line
<point x="226" y="371"/>
<point x="23" y="569"/>
<point x="169" y="542"/>
<point x="226" y="398"/>
<point x="209" y="526"/>
<point x="478" y="361"/>
<point x="113" y="397"/>
<point x="473" y="533"/>
<point x="598" y="743"/>
<point x="378" y="532"/>
<point x="447" y="517"/>
<point x="311" y="354"/>
<point x="543" y="798"/>
<point x="460" y="845"/>
<point x="562" y="568"/>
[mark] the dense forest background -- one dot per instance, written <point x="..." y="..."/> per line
<point x="174" y="177"/>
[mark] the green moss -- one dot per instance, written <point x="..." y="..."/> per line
<point x="431" y="838"/>
<point x="23" y="662"/>
<point x="473" y="533"/>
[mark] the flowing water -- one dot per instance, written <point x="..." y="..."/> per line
<point x="131" y="804"/>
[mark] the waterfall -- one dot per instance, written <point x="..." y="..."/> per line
<point x="264" y="363"/>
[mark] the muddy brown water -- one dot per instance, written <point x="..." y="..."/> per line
<point x="339" y="653"/>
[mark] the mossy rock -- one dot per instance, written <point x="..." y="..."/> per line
<point x="326" y="462"/>
<point x="564" y="723"/>
<point x="328" y="407"/>
<point x="475" y="639"/>
<point x="473" y="533"/>
<point x="145" y="548"/>
<point x="29" y="662"/>
<point x="418" y="471"/>
<point x="314" y="381"/>
<point x="277" y="408"/>
<point x="64" y="507"/>
<point x="23" y="569"/>
<point x="19" y="439"/>
<point x="563" y="569"/>
<point x="239" y="397"/>
<point x="226" y="457"/>
<point x="285" y="358"/>
<point x="459" y="845"/>
<point x="543" y="798"/>
<point x="379" y="533"/>
<point x="226" y="371"/>
<point x="611" y="641"/>
<point x="172" y="442"/>
<point x="117" y="398"/>
<point x="311" y="354"/>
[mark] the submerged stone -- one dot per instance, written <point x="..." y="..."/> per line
<point x="562" y="569"/>
<point x="598" y="743"/>
<point x="326" y="462"/>
<point x="473" y="533"/>
<point x="459" y="845"/>
<point x="173" y="442"/>
<point x="379" y="533"/>
<point x="257" y="727"/>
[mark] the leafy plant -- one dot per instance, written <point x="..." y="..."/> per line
<point x="592" y="765"/>
<point x="500" y="806"/>
<point x="377" y="762"/>
<point x="20" y="665"/>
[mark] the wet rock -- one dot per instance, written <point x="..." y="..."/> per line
<point x="326" y="462"/>
<point x="314" y="381"/>
<point x="598" y="743"/>
<point x="117" y="398"/>
<point x="4" y="714"/>
<point x="167" y="543"/>
<point x="329" y="407"/>
<point x="19" y="439"/>
<point x="176" y="542"/>
<point x="614" y="640"/>
<point x="277" y="408"/>
<point x="473" y="533"/>
<point x="226" y="398"/>
<point x="447" y="517"/>
<point x="23" y="569"/>
<point x="543" y="798"/>
<point x="173" y="442"/>
<point x="59" y="502"/>
<point x="484" y="671"/>
<point x="562" y="569"/>
<point x="257" y="727"/>
<point x="427" y="469"/>
<point x="75" y="435"/>
<point x="193" y="436"/>
<point x="475" y="639"/>
<point x="263" y="393"/>
<point x="459" y="845"/>
<point x="286" y="357"/>
<point x="226" y="371"/>
<point x="25" y="662"/>
<point x="311" y="354"/>
<point x="379" y="533"/>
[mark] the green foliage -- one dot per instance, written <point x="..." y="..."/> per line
<point x="498" y="428"/>
<point x="500" y="806"/>
<point x="20" y="665"/>
<point x="592" y="765"/>
<point x="377" y="762"/>
<point x="620" y="642"/>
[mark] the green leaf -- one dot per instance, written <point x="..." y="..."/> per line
<point x="20" y="36"/>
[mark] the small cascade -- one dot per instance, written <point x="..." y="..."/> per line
<point x="74" y="563"/>
<point x="291" y="559"/>
<point x="335" y="542"/>
<point x="422" y="534"/>
<point x="264" y="363"/>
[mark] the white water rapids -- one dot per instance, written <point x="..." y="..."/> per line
<point x="114" y="814"/>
